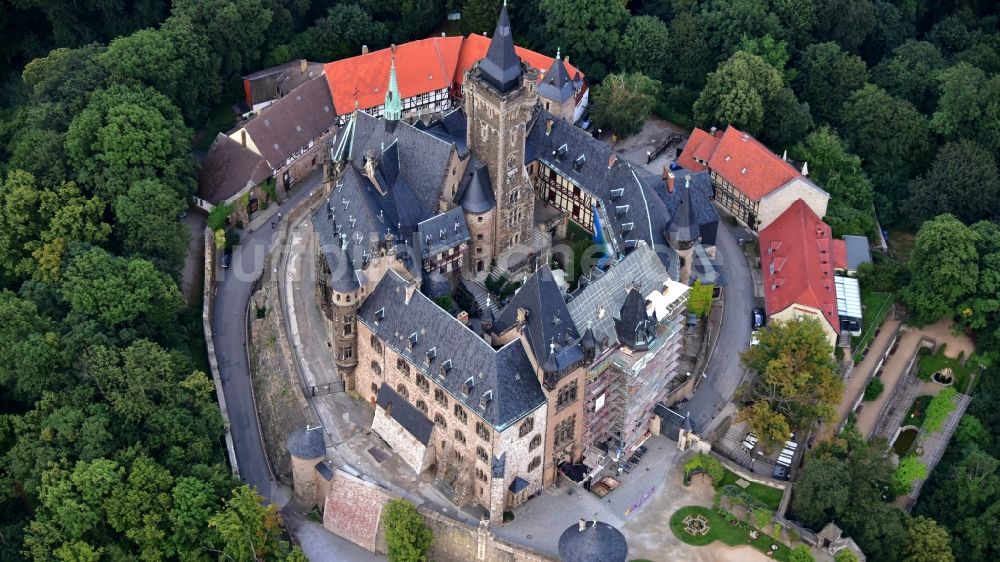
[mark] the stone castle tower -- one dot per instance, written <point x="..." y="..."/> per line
<point x="499" y="97"/>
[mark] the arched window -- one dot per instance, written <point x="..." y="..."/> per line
<point x="482" y="454"/>
<point x="535" y="442"/>
<point x="422" y="383"/>
<point x="422" y="406"/>
<point x="460" y="413"/>
<point x="482" y="431"/>
<point x="403" y="367"/>
<point x="534" y="464"/>
<point x="440" y="397"/>
<point x="481" y="475"/>
<point x="526" y="427"/>
<point x="439" y="420"/>
<point x="376" y="368"/>
<point x="374" y="388"/>
<point x="459" y="436"/>
<point x="402" y="391"/>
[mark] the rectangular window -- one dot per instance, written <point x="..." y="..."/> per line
<point x="566" y="396"/>
<point x="564" y="432"/>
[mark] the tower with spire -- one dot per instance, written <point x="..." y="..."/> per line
<point x="500" y="95"/>
<point x="557" y="91"/>
<point x="393" y="111"/>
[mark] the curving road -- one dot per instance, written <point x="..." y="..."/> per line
<point x="229" y="326"/>
<point x="724" y="371"/>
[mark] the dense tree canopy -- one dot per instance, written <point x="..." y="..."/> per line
<point x="827" y="77"/>
<point x="945" y="269"/>
<point x="591" y="31"/>
<point x="962" y="163"/>
<point x="623" y="102"/>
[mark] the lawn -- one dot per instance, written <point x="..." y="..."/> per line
<point x="930" y="364"/>
<point x="771" y="497"/>
<point x="722" y="530"/>
<point x="874" y="307"/>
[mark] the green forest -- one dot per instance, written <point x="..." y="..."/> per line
<point x="110" y="436"/>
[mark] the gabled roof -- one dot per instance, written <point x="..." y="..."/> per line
<point x="228" y="169"/>
<point x="276" y="81"/>
<point x="503" y="387"/>
<point x="797" y="259"/>
<point x="750" y="166"/>
<point x="699" y="148"/>
<point x="422" y="66"/>
<point x="474" y="48"/>
<point x="556" y="84"/>
<point x="501" y="67"/>
<point x="548" y="322"/>
<point x="406" y="415"/>
<point x="292" y="122"/>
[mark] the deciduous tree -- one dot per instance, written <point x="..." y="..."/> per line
<point x="928" y="542"/>
<point x="944" y="267"/>
<point x="591" y="29"/>
<point x="405" y="532"/>
<point x="148" y="223"/>
<point x="642" y="47"/>
<point x="738" y="93"/>
<point x="827" y="77"/>
<point x="963" y="163"/>
<point x="622" y="102"/>
<point x="911" y="74"/>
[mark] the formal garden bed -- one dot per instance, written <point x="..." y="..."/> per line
<point x="917" y="411"/>
<point x="724" y="527"/>
<point x="959" y="369"/>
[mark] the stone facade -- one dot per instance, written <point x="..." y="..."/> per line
<point x="497" y="127"/>
<point x="414" y="453"/>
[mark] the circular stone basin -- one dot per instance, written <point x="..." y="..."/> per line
<point x="944" y="377"/>
<point x="904" y="442"/>
<point x="696" y="525"/>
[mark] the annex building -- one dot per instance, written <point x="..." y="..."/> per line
<point x="501" y="404"/>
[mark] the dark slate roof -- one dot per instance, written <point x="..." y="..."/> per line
<point x="228" y="168"/>
<point x="548" y="322"/>
<point x="556" y="85"/>
<point x="504" y="387"/>
<point x="502" y="68"/>
<point x="306" y="443"/>
<point x="324" y="470"/>
<point x="601" y="299"/>
<point x="450" y="128"/>
<point x="475" y="193"/>
<point x="701" y="213"/>
<point x="442" y="232"/>
<point x="632" y="325"/>
<point x="423" y="158"/>
<point x="598" y="542"/>
<point x="413" y="420"/>
<point x="293" y="121"/>
<point x="518" y="484"/>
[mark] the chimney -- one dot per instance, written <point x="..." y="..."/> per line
<point x="713" y="130"/>
<point x="611" y="160"/>
<point x="670" y="182"/>
<point x="522" y="315"/>
<point x="364" y="49"/>
<point x="303" y="66"/>
<point x="805" y="169"/>
<point x="463" y="317"/>
<point x="548" y="127"/>
<point x="583" y="525"/>
<point x="410" y="287"/>
<point x="687" y="181"/>
<point x="566" y="58"/>
<point x="243" y="137"/>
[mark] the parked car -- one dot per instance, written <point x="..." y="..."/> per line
<point x="757" y="318"/>
<point x="227" y="257"/>
<point x="780" y="472"/>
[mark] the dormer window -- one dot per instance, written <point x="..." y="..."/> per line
<point x="468" y="385"/>
<point x="445" y="367"/>
<point x="379" y="315"/>
<point x="485" y="399"/>
<point x="578" y="163"/>
<point x="431" y="354"/>
<point x="411" y="341"/>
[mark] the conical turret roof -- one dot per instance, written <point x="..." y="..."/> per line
<point x="502" y="68"/>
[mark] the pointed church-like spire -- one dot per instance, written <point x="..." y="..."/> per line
<point x="501" y="67"/>
<point x="393" y="102"/>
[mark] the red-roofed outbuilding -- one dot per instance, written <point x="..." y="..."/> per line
<point x="798" y="254"/>
<point x="754" y="184"/>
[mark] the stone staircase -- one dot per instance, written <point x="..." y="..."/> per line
<point x="844" y="340"/>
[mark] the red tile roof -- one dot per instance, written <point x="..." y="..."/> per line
<point x="474" y="48"/>
<point x="422" y="66"/>
<point x="797" y="258"/>
<point x="700" y="146"/>
<point x="749" y="165"/>
<point x="840" y="254"/>
<point x="353" y="509"/>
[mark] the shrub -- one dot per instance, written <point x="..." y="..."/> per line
<point x="873" y="390"/>
<point x="939" y="409"/>
<point x="708" y="464"/>
<point x="406" y="533"/>
<point x="910" y="470"/>
<point x="845" y="556"/>
<point x="219" y="215"/>
<point x="445" y="302"/>
<point x="801" y="553"/>
<point x="761" y="517"/>
<point x="776" y="532"/>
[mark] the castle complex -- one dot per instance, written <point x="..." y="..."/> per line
<point x="551" y="383"/>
